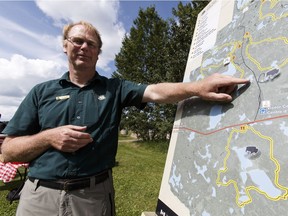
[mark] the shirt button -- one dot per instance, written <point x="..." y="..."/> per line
<point x="78" y="117"/>
<point x="80" y="102"/>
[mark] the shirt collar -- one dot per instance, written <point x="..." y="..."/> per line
<point x="65" y="79"/>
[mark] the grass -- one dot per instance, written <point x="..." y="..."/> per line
<point x="137" y="179"/>
<point x="125" y="137"/>
<point x="7" y="209"/>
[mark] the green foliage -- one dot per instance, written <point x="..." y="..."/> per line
<point x="143" y="59"/>
<point x="156" y="51"/>
<point x="154" y="122"/>
<point x="182" y="26"/>
<point x="142" y="56"/>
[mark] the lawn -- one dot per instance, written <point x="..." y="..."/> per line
<point x="137" y="179"/>
<point x="7" y="209"/>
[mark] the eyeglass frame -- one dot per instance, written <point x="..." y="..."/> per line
<point x="91" y="44"/>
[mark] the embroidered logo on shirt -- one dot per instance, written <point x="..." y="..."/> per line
<point x="101" y="97"/>
<point x="63" y="97"/>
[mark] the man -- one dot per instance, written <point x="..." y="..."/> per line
<point x="67" y="129"/>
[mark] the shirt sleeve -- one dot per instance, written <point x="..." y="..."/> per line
<point x="25" y="120"/>
<point x="132" y="94"/>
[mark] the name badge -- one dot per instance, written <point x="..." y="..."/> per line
<point x="63" y="97"/>
<point x="101" y="97"/>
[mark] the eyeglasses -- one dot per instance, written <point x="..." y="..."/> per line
<point x="78" y="42"/>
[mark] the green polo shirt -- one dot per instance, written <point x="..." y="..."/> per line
<point x="59" y="102"/>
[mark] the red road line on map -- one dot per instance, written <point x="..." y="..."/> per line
<point x="247" y="123"/>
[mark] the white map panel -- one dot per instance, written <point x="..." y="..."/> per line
<point x="232" y="159"/>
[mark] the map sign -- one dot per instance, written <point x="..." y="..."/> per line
<point x="232" y="158"/>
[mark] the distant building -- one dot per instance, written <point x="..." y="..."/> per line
<point x="252" y="152"/>
<point x="269" y="76"/>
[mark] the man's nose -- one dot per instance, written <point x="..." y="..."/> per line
<point x="84" y="45"/>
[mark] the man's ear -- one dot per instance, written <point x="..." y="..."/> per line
<point x="64" y="46"/>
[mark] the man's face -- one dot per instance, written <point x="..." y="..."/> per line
<point x="81" y="48"/>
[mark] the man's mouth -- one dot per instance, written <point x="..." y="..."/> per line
<point x="82" y="56"/>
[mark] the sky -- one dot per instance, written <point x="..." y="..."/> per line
<point x="31" y="39"/>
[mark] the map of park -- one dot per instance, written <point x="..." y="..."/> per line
<point x="231" y="159"/>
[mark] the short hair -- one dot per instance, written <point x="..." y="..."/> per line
<point x="89" y="26"/>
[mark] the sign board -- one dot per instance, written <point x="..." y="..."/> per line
<point x="231" y="159"/>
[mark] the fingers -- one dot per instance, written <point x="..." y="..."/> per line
<point x="229" y="80"/>
<point x="74" y="145"/>
<point x="240" y="81"/>
<point x="227" y="89"/>
<point x="76" y="128"/>
<point x="78" y="138"/>
<point x="219" y="87"/>
<point x="70" y="138"/>
<point x="222" y="97"/>
<point x="80" y="134"/>
<point x="231" y="86"/>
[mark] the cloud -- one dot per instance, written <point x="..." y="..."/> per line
<point x="102" y="14"/>
<point x="31" y="51"/>
<point x="18" y="75"/>
<point x="19" y="39"/>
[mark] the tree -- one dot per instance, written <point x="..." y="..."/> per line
<point x="182" y="26"/>
<point x="142" y="55"/>
<point x="142" y="58"/>
<point x="156" y="51"/>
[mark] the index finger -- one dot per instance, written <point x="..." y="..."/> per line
<point x="235" y="80"/>
<point x="80" y="135"/>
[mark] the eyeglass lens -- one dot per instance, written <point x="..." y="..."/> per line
<point x="78" y="42"/>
